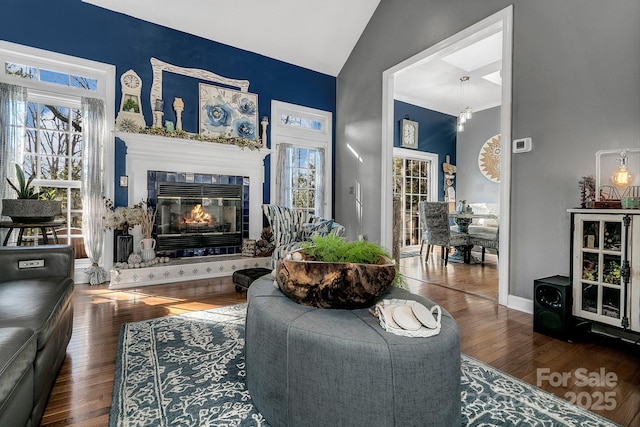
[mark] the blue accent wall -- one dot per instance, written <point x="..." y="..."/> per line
<point x="80" y="29"/>
<point x="436" y="134"/>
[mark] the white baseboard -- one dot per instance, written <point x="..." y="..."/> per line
<point x="520" y="304"/>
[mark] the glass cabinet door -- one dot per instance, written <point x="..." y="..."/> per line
<point x="598" y="290"/>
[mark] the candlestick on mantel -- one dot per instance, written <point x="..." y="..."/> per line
<point x="157" y="119"/>
<point x="264" y="123"/>
<point x="178" y="106"/>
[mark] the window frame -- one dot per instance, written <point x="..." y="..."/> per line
<point x="303" y="138"/>
<point x="105" y="76"/>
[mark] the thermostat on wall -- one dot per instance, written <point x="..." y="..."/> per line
<point x="522" y="145"/>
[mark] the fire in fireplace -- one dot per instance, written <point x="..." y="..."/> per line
<point x="199" y="218"/>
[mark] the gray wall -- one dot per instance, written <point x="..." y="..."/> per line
<point x="575" y="91"/>
<point x="471" y="184"/>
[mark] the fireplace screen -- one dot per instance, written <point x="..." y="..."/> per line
<point x="198" y="215"/>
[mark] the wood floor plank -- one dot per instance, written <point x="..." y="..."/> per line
<point x="498" y="336"/>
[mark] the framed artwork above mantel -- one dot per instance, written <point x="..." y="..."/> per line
<point x="227" y="112"/>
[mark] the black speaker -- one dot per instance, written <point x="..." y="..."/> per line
<point x="552" y="306"/>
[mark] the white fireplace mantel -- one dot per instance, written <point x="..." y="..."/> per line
<point x="159" y="153"/>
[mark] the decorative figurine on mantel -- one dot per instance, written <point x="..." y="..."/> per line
<point x="264" y="123"/>
<point x="178" y="106"/>
<point x="130" y="117"/>
<point x="158" y="113"/>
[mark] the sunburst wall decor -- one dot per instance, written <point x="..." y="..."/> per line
<point x="489" y="159"/>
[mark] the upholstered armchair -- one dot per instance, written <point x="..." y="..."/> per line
<point x="434" y="218"/>
<point x="291" y="227"/>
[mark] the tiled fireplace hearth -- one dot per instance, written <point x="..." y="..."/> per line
<point x="192" y="161"/>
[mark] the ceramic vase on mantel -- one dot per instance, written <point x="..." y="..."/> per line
<point x="148" y="246"/>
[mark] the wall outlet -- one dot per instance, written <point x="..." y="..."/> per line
<point x="124" y="181"/>
<point x="32" y="263"/>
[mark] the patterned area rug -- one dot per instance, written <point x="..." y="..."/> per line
<point x="188" y="370"/>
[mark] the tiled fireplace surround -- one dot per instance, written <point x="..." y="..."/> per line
<point x="198" y="161"/>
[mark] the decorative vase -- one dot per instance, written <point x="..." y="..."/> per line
<point x="124" y="247"/>
<point x="334" y="284"/>
<point x="148" y="246"/>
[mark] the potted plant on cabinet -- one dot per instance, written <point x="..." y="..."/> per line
<point x="30" y="205"/>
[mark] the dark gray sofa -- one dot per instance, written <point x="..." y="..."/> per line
<point x="36" y="319"/>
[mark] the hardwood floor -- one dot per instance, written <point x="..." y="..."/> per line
<point x="496" y="335"/>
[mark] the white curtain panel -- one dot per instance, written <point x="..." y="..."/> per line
<point x="94" y="133"/>
<point x="13" y="111"/>
<point x="319" y="199"/>
<point x="283" y="175"/>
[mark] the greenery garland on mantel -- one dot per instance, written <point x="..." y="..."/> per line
<point x="251" y="144"/>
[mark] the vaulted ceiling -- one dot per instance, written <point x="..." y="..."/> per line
<point x="317" y="35"/>
<point x="321" y="35"/>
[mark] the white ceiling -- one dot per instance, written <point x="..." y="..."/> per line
<point x="321" y="35"/>
<point x="435" y="82"/>
<point x="310" y="34"/>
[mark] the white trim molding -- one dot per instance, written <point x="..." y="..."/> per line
<point x="502" y="18"/>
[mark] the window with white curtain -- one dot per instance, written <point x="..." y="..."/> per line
<point x="301" y="149"/>
<point x="51" y="149"/>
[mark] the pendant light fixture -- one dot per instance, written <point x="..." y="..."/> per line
<point x="467" y="113"/>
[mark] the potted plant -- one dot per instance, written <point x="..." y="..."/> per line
<point x="31" y="205"/>
<point x="330" y="272"/>
<point x="122" y="218"/>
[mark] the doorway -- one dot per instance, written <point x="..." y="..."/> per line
<point x="504" y="20"/>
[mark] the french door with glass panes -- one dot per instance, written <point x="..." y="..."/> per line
<point x="414" y="180"/>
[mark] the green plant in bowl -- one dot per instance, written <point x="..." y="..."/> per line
<point x="24" y="189"/>
<point x="329" y="272"/>
<point x="30" y="205"/>
<point x="332" y="248"/>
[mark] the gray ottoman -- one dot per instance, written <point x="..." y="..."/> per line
<point x="322" y="367"/>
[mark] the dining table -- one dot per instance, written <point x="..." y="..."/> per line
<point x="463" y="220"/>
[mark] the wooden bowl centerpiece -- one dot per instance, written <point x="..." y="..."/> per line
<point x="332" y="273"/>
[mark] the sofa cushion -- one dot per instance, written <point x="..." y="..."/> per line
<point x="485" y="233"/>
<point x="42" y="301"/>
<point x="17" y="353"/>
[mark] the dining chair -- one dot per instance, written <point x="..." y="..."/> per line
<point x="434" y="219"/>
